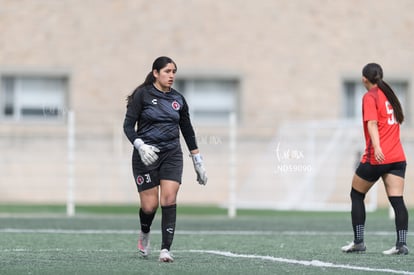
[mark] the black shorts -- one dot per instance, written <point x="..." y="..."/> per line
<point x="169" y="166"/>
<point x="372" y="173"/>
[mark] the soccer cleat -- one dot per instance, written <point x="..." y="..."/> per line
<point x="402" y="250"/>
<point x="354" y="248"/>
<point x="165" y="256"/>
<point x="144" y="243"/>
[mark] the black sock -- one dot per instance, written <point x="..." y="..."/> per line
<point x="146" y="220"/>
<point x="358" y="215"/>
<point x="169" y="215"/>
<point x="401" y="219"/>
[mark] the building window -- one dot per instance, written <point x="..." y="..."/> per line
<point x="210" y="100"/>
<point x="25" y="98"/>
<point x="354" y="91"/>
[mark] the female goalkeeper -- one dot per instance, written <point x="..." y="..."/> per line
<point x="159" y="112"/>
<point x="383" y="158"/>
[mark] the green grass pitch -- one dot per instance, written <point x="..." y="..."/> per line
<point x="102" y="240"/>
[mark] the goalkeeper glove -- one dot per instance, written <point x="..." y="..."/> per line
<point x="148" y="153"/>
<point x="199" y="168"/>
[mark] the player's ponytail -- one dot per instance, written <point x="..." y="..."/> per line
<point x="148" y="81"/>
<point x="158" y="64"/>
<point x="393" y="100"/>
<point x="373" y="72"/>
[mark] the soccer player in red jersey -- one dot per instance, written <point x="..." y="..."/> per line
<point x="383" y="158"/>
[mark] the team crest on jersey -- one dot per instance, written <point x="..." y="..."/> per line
<point x="140" y="180"/>
<point x="176" y="106"/>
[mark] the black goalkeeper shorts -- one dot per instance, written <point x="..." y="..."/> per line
<point x="372" y="173"/>
<point x="169" y="166"/>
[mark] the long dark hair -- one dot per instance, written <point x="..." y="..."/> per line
<point x="158" y="64"/>
<point x="373" y="72"/>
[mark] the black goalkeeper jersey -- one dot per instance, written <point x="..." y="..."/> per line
<point x="160" y="116"/>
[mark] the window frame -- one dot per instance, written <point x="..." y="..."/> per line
<point x="189" y="78"/>
<point x="18" y="75"/>
<point x="405" y="99"/>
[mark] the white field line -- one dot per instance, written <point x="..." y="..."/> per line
<point x="312" y="263"/>
<point x="315" y="263"/>
<point x="192" y="232"/>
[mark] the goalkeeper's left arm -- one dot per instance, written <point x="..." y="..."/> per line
<point x="190" y="139"/>
<point x="199" y="167"/>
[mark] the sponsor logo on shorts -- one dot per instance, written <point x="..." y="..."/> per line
<point x="140" y="180"/>
<point x="146" y="178"/>
<point x="176" y="106"/>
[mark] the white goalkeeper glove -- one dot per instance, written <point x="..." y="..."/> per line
<point x="199" y="168"/>
<point x="148" y="153"/>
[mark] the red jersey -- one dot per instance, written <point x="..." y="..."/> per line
<point x="375" y="106"/>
